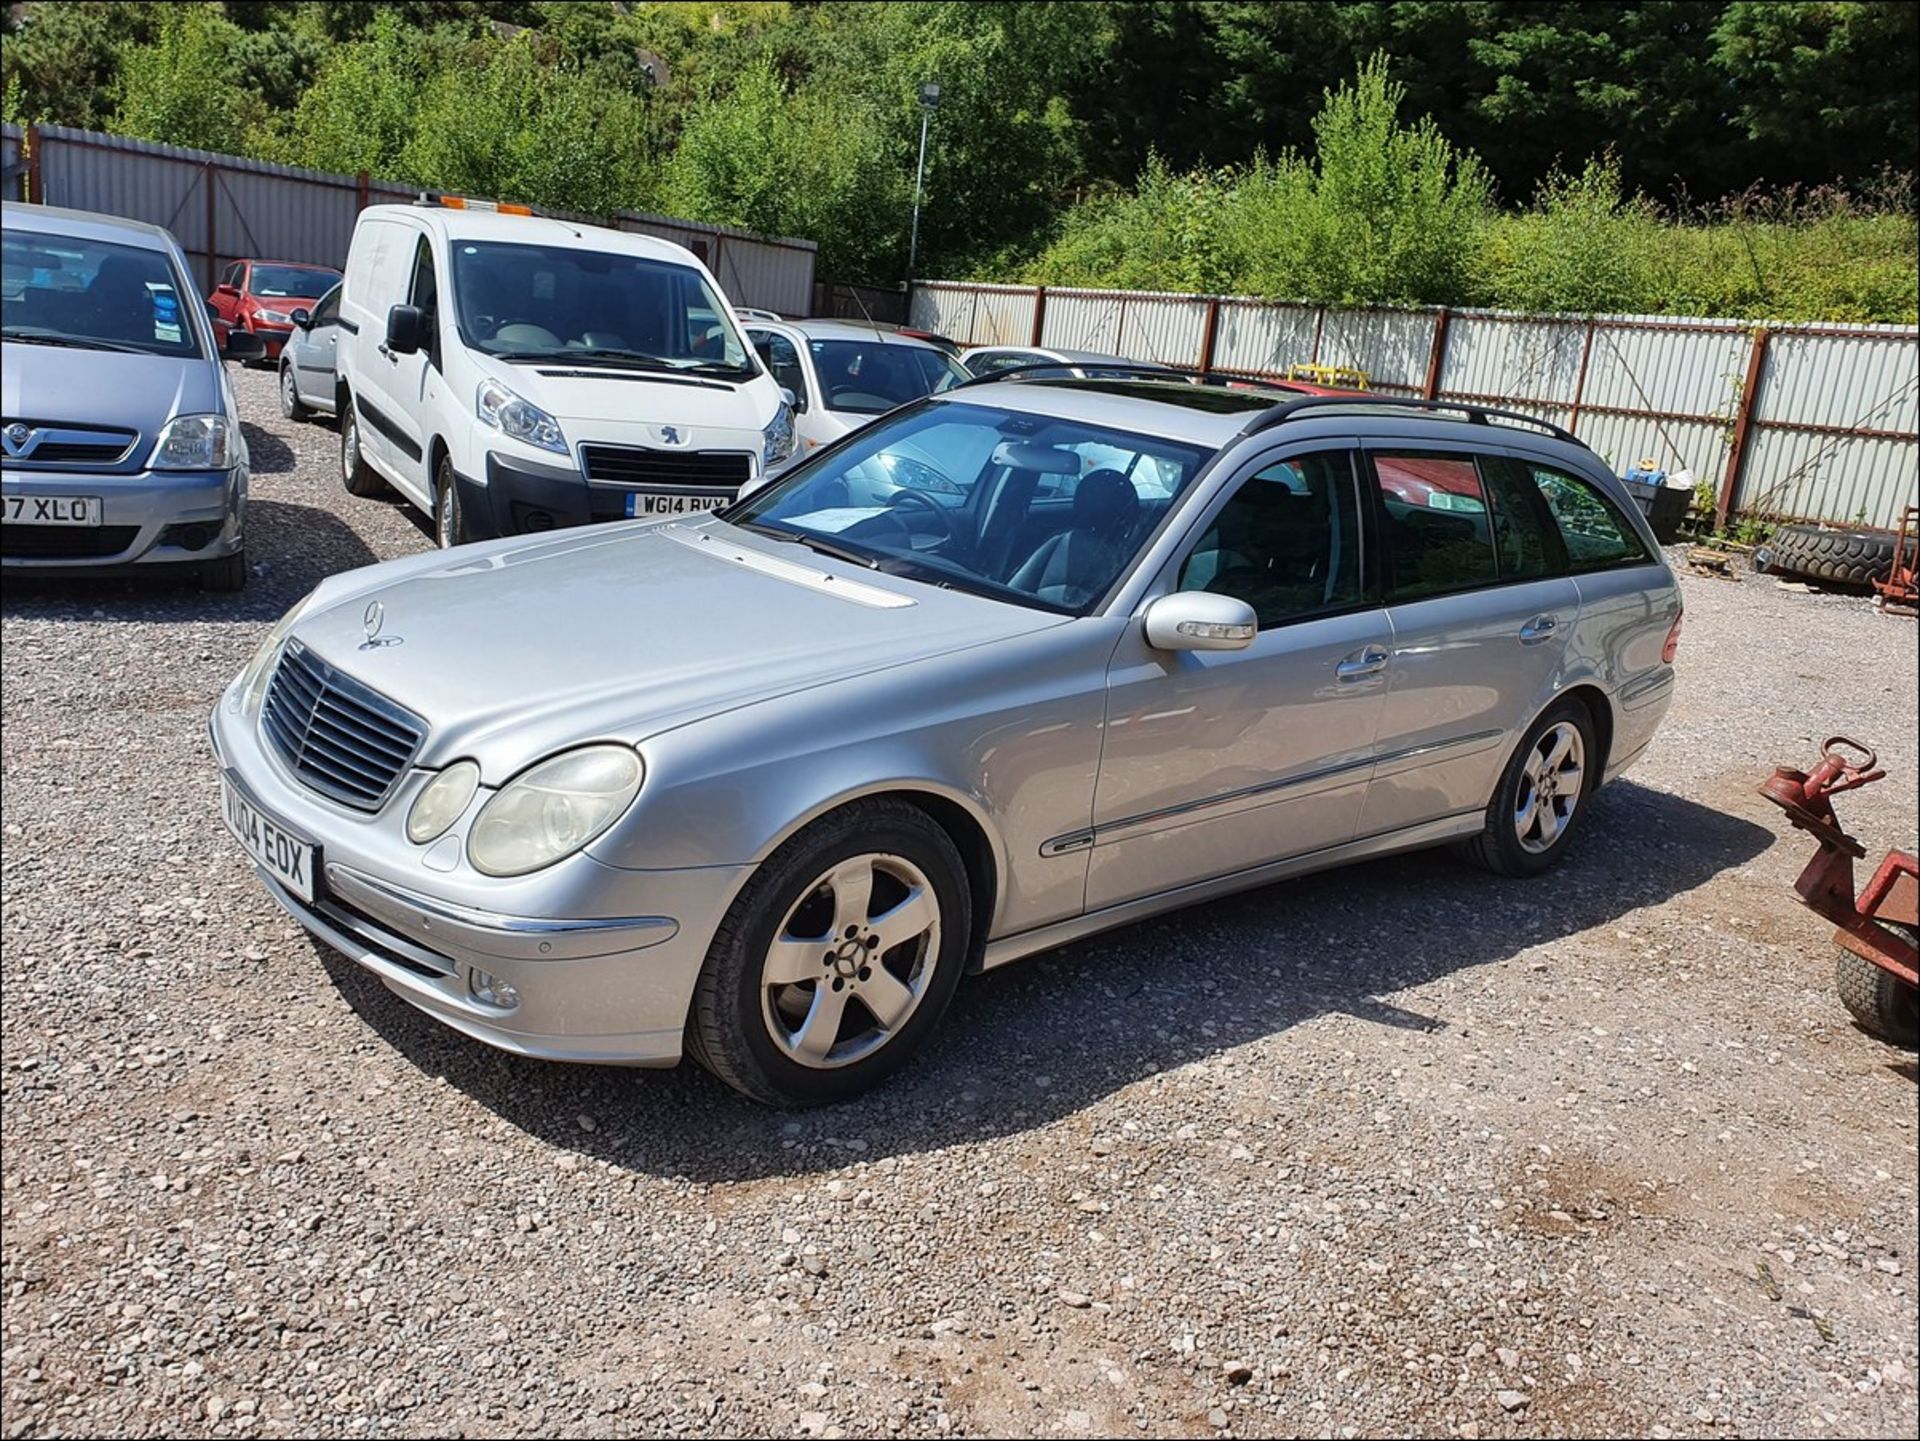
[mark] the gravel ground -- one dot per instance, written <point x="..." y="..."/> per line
<point x="1397" y="1149"/>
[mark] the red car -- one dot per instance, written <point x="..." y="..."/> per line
<point x="261" y="296"/>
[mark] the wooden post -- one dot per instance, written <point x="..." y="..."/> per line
<point x="1039" y="313"/>
<point x="213" y="204"/>
<point x="1437" y="357"/>
<point x="1209" y="335"/>
<point x="36" y="186"/>
<point x="363" y="185"/>
<point x="1319" y="324"/>
<point x="1580" y="383"/>
<point x="1742" y="427"/>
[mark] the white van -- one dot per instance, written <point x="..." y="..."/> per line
<point x="511" y="373"/>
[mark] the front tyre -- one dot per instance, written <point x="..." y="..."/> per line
<point x="359" y="478"/>
<point x="836" y="962"/>
<point x="1541" y="800"/>
<point x="449" y="516"/>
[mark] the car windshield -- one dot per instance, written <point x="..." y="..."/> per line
<point x="291" y="282"/>
<point x="538" y="302"/>
<point x="870" y="377"/>
<point x="1028" y="508"/>
<point x="93" y="295"/>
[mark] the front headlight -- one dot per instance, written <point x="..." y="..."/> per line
<point x="521" y="419"/>
<point x="196" y="442"/>
<point x="442" y="801"/>
<point x="253" y="680"/>
<point x="274" y="317"/>
<point x="552" y="809"/>
<point x="777" y="438"/>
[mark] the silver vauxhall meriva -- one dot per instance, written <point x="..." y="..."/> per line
<point x="1011" y="665"/>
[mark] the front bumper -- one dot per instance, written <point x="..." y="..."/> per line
<point x="604" y="961"/>
<point x="274" y="337"/>
<point x="156" y="517"/>
<point x="520" y="496"/>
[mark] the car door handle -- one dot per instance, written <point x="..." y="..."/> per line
<point x="1370" y="661"/>
<point x="1539" y="628"/>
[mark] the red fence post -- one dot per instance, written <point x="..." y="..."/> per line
<point x="1209" y="334"/>
<point x="213" y="204"/>
<point x="36" y="192"/>
<point x="1039" y="313"/>
<point x="1580" y="381"/>
<point x="1437" y="357"/>
<point x="1742" y="427"/>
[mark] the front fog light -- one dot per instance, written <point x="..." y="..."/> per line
<point x="492" y="991"/>
<point x="442" y="801"/>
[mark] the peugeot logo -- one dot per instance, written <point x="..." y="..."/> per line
<point x="18" y="439"/>
<point x="371" y="621"/>
<point x="670" y="435"/>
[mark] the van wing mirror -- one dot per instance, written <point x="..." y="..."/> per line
<point x="406" y="329"/>
<point x="1199" y="620"/>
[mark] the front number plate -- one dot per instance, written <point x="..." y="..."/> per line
<point x="285" y="857"/>
<point x="53" y="509"/>
<point x="640" y="504"/>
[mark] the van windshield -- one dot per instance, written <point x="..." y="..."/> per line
<point x="538" y="302"/>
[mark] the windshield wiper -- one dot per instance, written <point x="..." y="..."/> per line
<point x="718" y="368"/>
<point x="812" y="542"/>
<point x="68" y="342"/>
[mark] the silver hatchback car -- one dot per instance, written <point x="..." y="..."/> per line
<point x="763" y="785"/>
<point x="121" y="449"/>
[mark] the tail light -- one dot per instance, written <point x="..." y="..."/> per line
<point x="1668" y="650"/>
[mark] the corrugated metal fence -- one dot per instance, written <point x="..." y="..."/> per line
<point x="224" y="208"/>
<point x="1811" y="422"/>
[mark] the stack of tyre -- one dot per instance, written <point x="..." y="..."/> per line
<point x="1838" y="557"/>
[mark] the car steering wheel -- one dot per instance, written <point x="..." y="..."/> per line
<point x="911" y="496"/>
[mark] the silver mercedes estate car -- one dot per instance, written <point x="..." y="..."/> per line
<point x="1011" y="665"/>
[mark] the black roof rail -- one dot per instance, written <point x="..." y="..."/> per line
<point x="1474" y="414"/>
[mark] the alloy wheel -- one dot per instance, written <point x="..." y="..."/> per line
<point x="851" y="961"/>
<point x="1551" y="784"/>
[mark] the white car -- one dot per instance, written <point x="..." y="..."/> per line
<point x="1077" y="364"/>
<point x="842" y="374"/>
<point x="510" y="373"/>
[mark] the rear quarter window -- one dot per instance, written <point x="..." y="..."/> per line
<point x="1597" y="535"/>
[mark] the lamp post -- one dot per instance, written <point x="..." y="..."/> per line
<point x="929" y="102"/>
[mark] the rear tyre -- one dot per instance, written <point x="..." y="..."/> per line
<point x="227" y="574"/>
<point x="449" y="517"/>
<point x="836" y="962"/>
<point x="291" y="405"/>
<point x="1880" y="1001"/>
<point x="1540" y="802"/>
<point x="1839" y="557"/>
<point x="358" y="477"/>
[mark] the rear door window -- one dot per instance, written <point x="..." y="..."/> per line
<point x="1439" y="523"/>
<point x="1596" y="534"/>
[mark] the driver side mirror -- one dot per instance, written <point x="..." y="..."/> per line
<point x="302" y="318"/>
<point x="796" y="403"/>
<point x="406" y="329"/>
<point x="1199" y="620"/>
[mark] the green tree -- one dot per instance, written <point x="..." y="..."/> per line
<point x="505" y="123"/>
<point x="64" y="60"/>
<point x="1825" y="89"/>
<point x="360" y="111"/>
<point x="178" y="89"/>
